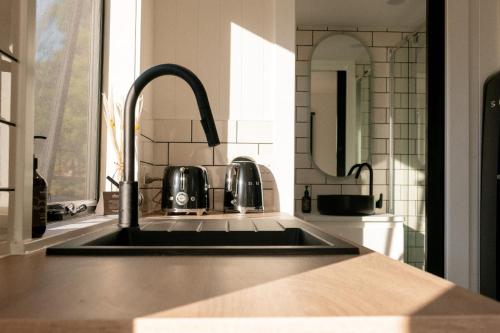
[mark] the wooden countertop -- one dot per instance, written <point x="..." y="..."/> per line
<point x="365" y="293"/>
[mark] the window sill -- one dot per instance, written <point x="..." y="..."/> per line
<point x="68" y="229"/>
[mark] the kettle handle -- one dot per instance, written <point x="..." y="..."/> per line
<point x="183" y="179"/>
<point x="232" y="173"/>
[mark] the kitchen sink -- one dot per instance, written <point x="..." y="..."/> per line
<point x="208" y="237"/>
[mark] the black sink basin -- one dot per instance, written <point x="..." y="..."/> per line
<point x="195" y="237"/>
<point x="346" y="204"/>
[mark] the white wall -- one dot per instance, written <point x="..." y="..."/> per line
<point x="472" y="54"/>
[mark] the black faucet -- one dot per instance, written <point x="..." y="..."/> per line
<point x="129" y="188"/>
<point x="359" y="168"/>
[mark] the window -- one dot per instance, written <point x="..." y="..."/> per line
<point x="67" y="96"/>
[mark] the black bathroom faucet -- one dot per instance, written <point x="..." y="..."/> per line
<point x="129" y="188"/>
<point x="359" y="168"/>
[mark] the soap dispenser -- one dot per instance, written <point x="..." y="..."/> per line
<point x="40" y="194"/>
<point x="306" y="201"/>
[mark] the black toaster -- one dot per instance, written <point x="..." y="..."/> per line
<point x="185" y="190"/>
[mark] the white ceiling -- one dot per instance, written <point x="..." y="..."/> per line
<point x="407" y="14"/>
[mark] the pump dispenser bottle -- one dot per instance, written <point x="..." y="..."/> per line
<point x="306" y="201"/>
<point x="40" y="194"/>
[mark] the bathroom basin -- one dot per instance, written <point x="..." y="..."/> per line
<point x="207" y="237"/>
<point x="346" y="204"/>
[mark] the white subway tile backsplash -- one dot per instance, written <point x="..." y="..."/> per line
<point x="255" y="132"/>
<point x="216" y="176"/>
<point x="147" y="128"/>
<point x="380" y="177"/>
<point x="354" y="189"/>
<point x="381" y="69"/>
<point x="319" y="35"/>
<point x="388" y="39"/>
<point x="379" y="146"/>
<point x="401" y="55"/>
<point x="348" y="180"/>
<point x="362" y="28"/>
<point x="269" y="201"/>
<point x="302" y="83"/>
<point x="381" y="100"/>
<point x="266" y="154"/>
<point x="302" y="161"/>
<point x="379" y="115"/>
<point x="380" y="85"/>
<point x="312" y="27"/>
<point x="302" y="98"/>
<point x="299" y="191"/>
<point x="302" y="145"/>
<point x="218" y="200"/>
<point x="302" y="114"/>
<point x="412" y="193"/>
<point x="379" y="54"/>
<point x="146" y="152"/>
<point x="158" y="171"/>
<point x="160" y="153"/>
<point x="325" y="190"/>
<point x="401" y="116"/>
<point x="364" y="37"/>
<point x="380" y="131"/>
<point x="225" y="153"/>
<point x="380" y="162"/>
<point x="401" y="85"/>
<point x="304" y="52"/>
<point x="301" y="130"/>
<point x="304" y="37"/>
<point x="302" y="68"/>
<point x="225" y="129"/>
<point x="172" y="130"/>
<point x="190" y="154"/>
<point x="309" y="176"/>
<point x="342" y="28"/>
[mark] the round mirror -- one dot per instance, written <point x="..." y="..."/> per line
<point x="340" y="104"/>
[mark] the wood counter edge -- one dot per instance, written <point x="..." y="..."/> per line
<point x="352" y="324"/>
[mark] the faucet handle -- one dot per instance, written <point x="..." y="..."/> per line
<point x="380" y="201"/>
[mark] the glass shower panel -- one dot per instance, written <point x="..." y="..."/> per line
<point x="408" y="121"/>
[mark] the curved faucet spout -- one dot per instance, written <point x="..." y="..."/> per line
<point x="371" y="174"/>
<point x="129" y="214"/>
<point x="359" y="168"/>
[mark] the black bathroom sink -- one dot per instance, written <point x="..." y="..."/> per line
<point x="195" y="237"/>
<point x="346" y="204"/>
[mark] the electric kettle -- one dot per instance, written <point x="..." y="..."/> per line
<point x="243" y="188"/>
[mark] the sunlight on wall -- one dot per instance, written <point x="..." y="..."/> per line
<point x="258" y="93"/>
<point x="252" y="75"/>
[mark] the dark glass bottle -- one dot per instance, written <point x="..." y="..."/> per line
<point x="39" y="214"/>
<point x="306" y="201"/>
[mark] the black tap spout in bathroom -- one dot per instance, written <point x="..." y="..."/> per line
<point x="370" y="169"/>
<point x="129" y="189"/>
<point x="359" y="168"/>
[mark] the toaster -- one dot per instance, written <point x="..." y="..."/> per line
<point x="185" y="190"/>
<point x="243" y="188"/>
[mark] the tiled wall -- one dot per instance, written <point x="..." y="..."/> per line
<point x="234" y="48"/>
<point x="379" y="41"/>
<point x="409" y="99"/>
<point x="409" y="128"/>
<point x="183" y="142"/>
